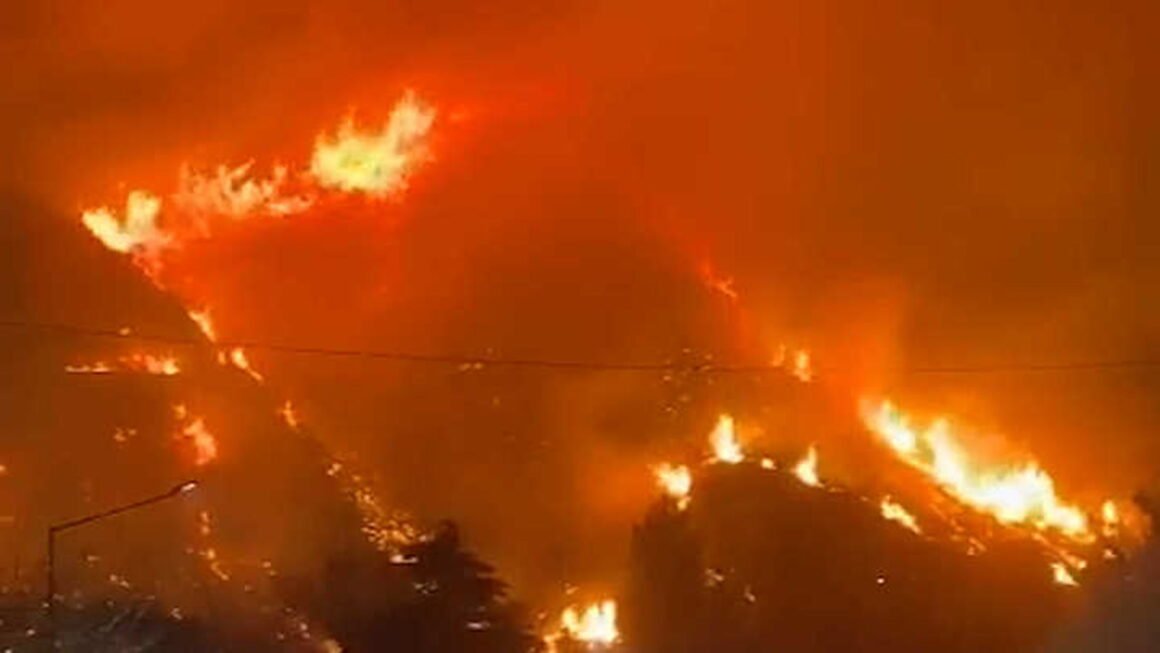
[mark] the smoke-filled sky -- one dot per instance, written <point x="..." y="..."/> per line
<point x="892" y="185"/>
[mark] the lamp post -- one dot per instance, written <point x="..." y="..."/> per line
<point x="54" y="529"/>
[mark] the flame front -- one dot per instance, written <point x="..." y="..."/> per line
<point x="893" y="511"/>
<point x="806" y="470"/>
<point x="676" y="481"/>
<point x="1024" y="494"/>
<point x="376" y="163"/>
<point x="595" y="625"/>
<point x="723" y="440"/>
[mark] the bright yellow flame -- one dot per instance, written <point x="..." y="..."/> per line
<point x="894" y="512"/>
<point x="807" y="469"/>
<point x="136" y="230"/>
<point x="723" y="440"/>
<point x="376" y="163"/>
<point x="595" y="625"/>
<point x="144" y="363"/>
<point x="1062" y="576"/>
<point x="1024" y="494"/>
<point x="676" y="481"/>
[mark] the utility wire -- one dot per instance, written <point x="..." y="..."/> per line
<point x="64" y="329"/>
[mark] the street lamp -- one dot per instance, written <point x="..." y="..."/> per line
<point x="50" y="586"/>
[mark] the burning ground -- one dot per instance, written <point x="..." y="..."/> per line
<point x="944" y="208"/>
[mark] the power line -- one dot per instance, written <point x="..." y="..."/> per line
<point x="561" y="364"/>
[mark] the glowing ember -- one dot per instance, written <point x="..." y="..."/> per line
<point x="1110" y="516"/>
<point x="676" y="481"/>
<point x="1024" y="494"/>
<point x="377" y="163"/>
<point x="595" y="625"/>
<point x="806" y="471"/>
<point x="894" y="512"/>
<point x="1061" y="575"/>
<point x="723" y="440"/>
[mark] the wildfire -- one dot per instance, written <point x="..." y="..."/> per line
<point x="236" y="356"/>
<point x="723" y="440"/>
<point x="1062" y="576"/>
<point x="806" y="470"/>
<point x="1023" y="494"/>
<point x="136" y="232"/>
<point x="893" y="511"/>
<point x="143" y="363"/>
<point x="376" y="163"/>
<point x="205" y="447"/>
<point x="595" y="625"/>
<point x="676" y="481"/>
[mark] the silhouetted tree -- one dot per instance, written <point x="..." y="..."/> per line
<point x="434" y="597"/>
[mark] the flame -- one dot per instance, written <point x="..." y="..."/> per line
<point x="893" y="511"/>
<point x="1110" y="516"/>
<point x="376" y="163"/>
<point x="204" y="443"/>
<point x="1062" y="576"/>
<point x="807" y="469"/>
<point x="595" y="625"/>
<point x="236" y="356"/>
<point x="139" y="362"/>
<point x="797" y="363"/>
<point x="802" y="370"/>
<point x="676" y="481"/>
<point x="1023" y="494"/>
<point x="723" y="440"/>
<point x="289" y="414"/>
<point x="205" y="323"/>
<point x="234" y="192"/>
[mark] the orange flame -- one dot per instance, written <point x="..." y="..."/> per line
<point x="893" y="511"/>
<point x="806" y="471"/>
<point x="143" y="363"/>
<point x="205" y="447"/>
<point x="723" y="440"/>
<point x="676" y="481"/>
<point x="376" y="163"/>
<point x="1062" y="576"/>
<point x="1023" y="494"/>
<point x="595" y="625"/>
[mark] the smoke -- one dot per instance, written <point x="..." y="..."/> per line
<point x="893" y="186"/>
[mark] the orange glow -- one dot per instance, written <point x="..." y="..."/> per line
<point x="893" y="511"/>
<point x="806" y="471"/>
<point x="375" y="163"/>
<point x="136" y="232"/>
<point x="594" y="625"/>
<point x="802" y="370"/>
<point x="723" y="440"/>
<point x="289" y="415"/>
<point x="1021" y="494"/>
<point x="676" y="481"/>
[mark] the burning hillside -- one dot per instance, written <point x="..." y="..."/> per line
<point x="848" y="309"/>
